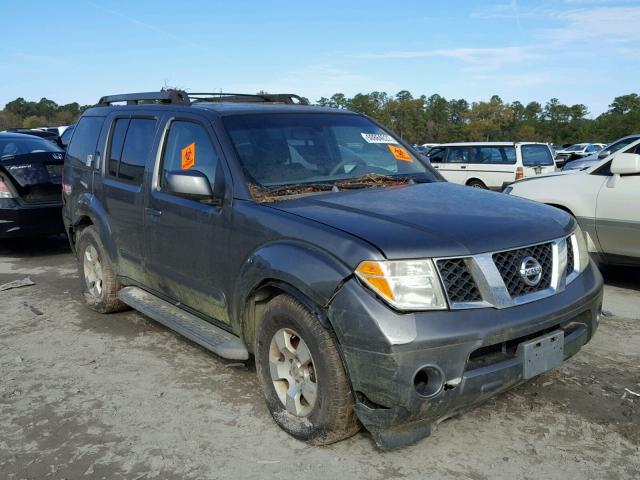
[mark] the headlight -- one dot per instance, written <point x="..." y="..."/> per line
<point x="583" y="251"/>
<point x="404" y="284"/>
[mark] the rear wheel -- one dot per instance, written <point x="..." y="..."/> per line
<point x="306" y="387"/>
<point x="97" y="274"/>
<point x="476" y="184"/>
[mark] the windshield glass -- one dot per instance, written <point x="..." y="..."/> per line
<point x="575" y="148"/>
<point x="289" y="149"/>
<point x="12" y="146"/>
<point x="536" y="155"/>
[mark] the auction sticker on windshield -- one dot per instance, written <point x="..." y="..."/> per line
<point x="188" y="156"/>
<point x="400" y="153"/>
<point x="378" y="138"/>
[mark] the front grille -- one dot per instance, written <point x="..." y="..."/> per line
<point x="570" y="258"/>
<point x="509" y="262"/>
<point x="457" y="281"/>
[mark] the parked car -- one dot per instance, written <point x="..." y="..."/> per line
<point x="65" y="138"/>
<point x="579" y="150"/>
<point x="594" y="158"/>
<point x="51" y="136"/>
<point x="605" y="200"/>
<point x="367" y="289"/>
<point x="30" y="186"/>
<point x="491" y="165"/>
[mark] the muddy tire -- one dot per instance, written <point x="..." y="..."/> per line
<point x="306" y="387"/>
<point x="97" y="275"/>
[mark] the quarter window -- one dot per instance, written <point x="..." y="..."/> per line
<point x="85" y="139"/>
<point x="188" y="147"/>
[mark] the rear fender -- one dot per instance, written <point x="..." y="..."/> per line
<point x="88" y="206"/>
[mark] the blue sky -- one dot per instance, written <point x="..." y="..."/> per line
<point x="580" y="51"/>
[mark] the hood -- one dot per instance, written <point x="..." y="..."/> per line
<point x="434" y="219"/>
<point x="545" y="175"/>
<point x="579" y="164"/>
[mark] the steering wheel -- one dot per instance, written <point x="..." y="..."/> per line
<point x="357" y="160"/>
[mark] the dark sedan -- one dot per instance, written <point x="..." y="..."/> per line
<point x="30" y="186"/>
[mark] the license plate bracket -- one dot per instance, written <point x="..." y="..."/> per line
<point x="541" y="354"/>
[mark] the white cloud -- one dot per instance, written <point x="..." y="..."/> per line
<point x="603" y="24"/>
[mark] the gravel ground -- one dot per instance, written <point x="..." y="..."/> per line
<point x="84" y="395"/>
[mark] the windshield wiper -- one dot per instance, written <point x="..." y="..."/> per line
<point x="266" y="194"/>
<point x="374" y="179"/>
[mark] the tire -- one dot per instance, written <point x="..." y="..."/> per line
<point x="321" y="418"/>
<point x="98" y="277"/>
<point x="476" y="184"/>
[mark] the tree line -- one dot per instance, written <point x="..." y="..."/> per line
<point x="432" y="119"/>
<point x="435" y="119"/>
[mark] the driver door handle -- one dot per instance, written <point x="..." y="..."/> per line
<point x="153" y="212"/>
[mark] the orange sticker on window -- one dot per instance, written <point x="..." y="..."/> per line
<point x="188" y="156"/>
<point x="400" y="153"/>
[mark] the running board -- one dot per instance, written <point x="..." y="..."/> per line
<point x="209" y="336"/>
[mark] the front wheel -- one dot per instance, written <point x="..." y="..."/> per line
<point x="306" y="387"/>
<point x="476" y="184"/>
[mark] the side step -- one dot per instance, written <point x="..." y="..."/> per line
<point x="209" y="336"/>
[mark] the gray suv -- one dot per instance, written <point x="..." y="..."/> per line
<point x="368" y="290"/>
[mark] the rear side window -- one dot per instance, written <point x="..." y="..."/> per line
<point x="131" y="142"/>
<point x="188" y="147"/>
<point x="85" y="139"/>
<point x="494" y="155"/>
<point x="536" y="155"/>
<point x="458" y="155"/>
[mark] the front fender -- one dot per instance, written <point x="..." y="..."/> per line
<point x="313" y="272"/>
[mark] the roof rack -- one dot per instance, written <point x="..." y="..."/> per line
<point x="172" y="96"/>
<point x="163" y="96"/>
<point x="288" y="98"/>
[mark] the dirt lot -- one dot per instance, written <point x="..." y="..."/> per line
<point x="90" y="396"/>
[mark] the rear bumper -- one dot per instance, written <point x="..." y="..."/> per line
<point x="20" y="220"/>
<point x="383" y="362"/>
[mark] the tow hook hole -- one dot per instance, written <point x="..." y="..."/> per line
<point x="428" y="381"/>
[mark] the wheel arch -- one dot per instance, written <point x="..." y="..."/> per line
<point x="286" y="267"/>
<point x="89" y="211"/>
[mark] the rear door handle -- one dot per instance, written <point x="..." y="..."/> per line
<point x="463" y="166"/>
<point x="152" y="212"/>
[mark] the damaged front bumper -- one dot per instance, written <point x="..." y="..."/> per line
<point x="409" y="371"/>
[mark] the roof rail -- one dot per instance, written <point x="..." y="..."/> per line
<point x="172" y="96"/>
<point x="163" y="96"/>
<point x="288" y="98"/>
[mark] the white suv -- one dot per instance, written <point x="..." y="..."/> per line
<point x="605" y="199"/>
<point x="492" y="165"/>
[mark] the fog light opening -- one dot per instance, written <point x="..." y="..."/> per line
<point x="428" y="381"/>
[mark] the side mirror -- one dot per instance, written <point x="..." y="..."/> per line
<point x="189" y="183"/>
<point x="604" y="153"/>
<point x="626" y="164"/>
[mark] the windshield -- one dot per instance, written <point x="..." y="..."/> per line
<point x="536" y="155"/>
<point x="278" y="150"/>
<point x="12" y="146"/>
<point x="575" y="148"/>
